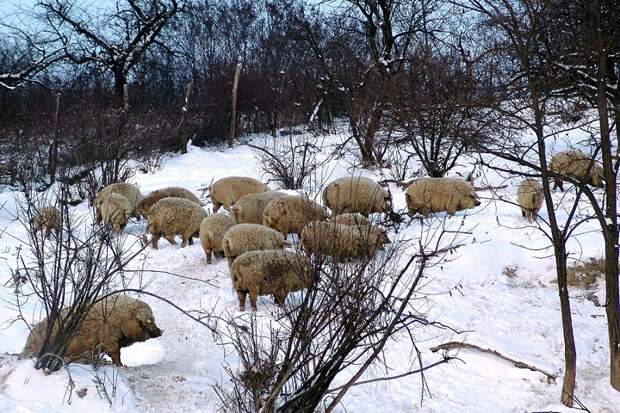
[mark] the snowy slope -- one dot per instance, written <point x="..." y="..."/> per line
<point x="519" y="317"/>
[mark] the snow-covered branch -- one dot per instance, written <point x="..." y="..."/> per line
<point x="39" y="59"/>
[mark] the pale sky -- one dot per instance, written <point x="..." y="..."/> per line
<point x="19" y="12"/>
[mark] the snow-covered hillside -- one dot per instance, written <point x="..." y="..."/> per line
<point x="517" y="316"/>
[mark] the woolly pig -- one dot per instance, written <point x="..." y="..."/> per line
<point x="46" y="219"/>
<point x="356" y="194"/>
<point x="290" y="214"/>
<point x="129" y="191"/>
<point x="342" y="241"/>
<point x="174" y="191"/>
<point x="429" y="195"/>
<point x="249" y="208"/>
<point x="355" y="219"/>
<point x="578" y="165"/>
<point x="115" y="211"/>
<point x="529" y="197"/>
<point x="226" y="191"/>
<point x="174" y="216"/>
<point x="250" y="237"/>
<point x="110" y="324"/>
<point x="271" y="272"/>
<point x="212" y="230"/>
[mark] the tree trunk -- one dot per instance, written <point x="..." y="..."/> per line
<point x="53" y="149"/>
<point x="309" y="396"/>
<point x="610" y="224"/>
<point x="371" y="132"/>
<point x="435" y="173"/>
<point x="183" y="132"/>
<point x="612" y="309"/>
<point x="364" y="127"/>
<point x="570" y="353"/>
<point x="126" y="98"/>
<point x="233" y="115"/>
<point x="273" y="124"/>
<point x="617" y="121"/>
<point x="559" y="245"/>
<point x="120" y="81"/>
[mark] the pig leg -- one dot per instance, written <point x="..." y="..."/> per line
<point x="253" y="296"/>
<point x="230" y="261"/>
<point x="154" y="241"/>
<point x="170" y="239"/>
<point x="208" y="253"/>
<point x="280" y="297"/>
<point x="115" y="353"/>
<point x="241" y="294"/>
<point x="187" y="238"/>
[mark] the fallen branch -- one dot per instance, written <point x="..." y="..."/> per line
<point x="519" y="364"/>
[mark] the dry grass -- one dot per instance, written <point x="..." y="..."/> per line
<point x="585" y="274"/>
<point x="510" y="271"/>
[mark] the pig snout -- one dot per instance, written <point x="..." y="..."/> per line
<point x="155" y="332"/>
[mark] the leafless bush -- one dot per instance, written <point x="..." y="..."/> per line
<point x="439" y="126"/>
<point x="19" y="159"/>
<point x="341" y="323"/>
<point x="66" y="274"/>
<point x="251" y="384"/>
<point x="109" y="147"/>
<point x="290" y="160"/>
<point x="400" y="163"/>
<point x="85" y="148"/>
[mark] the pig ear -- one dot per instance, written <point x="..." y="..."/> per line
<point x="143" y="315"/>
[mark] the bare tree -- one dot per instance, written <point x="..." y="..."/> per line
<point x="291" y="160"/>
<point x="523" y="29"/>
<point x="387" y="30"/>
<point x="114" y="42"/>
<point x="590" y="57"/>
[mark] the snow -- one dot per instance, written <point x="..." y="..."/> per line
<point x="30" y="390"/>
<point x="517" y="316"/>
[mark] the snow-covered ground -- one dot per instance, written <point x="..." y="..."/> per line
<point x="517" y="316"/>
